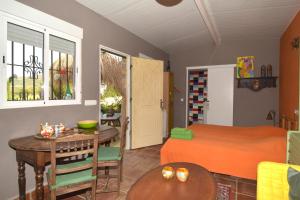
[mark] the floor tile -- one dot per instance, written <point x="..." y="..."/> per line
<point x="246" y="188"/>
<point x="139" y="161"/>
<point x="245" y="197"/>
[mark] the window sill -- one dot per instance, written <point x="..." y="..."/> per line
<point x="39" y="104"/>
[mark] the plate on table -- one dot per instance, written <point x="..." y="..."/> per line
<point x="39" y="136"/>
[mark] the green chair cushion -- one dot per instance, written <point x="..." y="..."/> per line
<point x="108" y="153"/>
<point x="72" y="178"/>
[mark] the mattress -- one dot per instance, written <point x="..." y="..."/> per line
<point x="228" y="150"/>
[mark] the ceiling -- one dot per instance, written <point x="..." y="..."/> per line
<point x="182" y="26"/>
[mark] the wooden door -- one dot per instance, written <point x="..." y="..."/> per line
<point x="147" y="94"/>
<point x="168" y="101"/>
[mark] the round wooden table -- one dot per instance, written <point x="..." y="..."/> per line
<point x="36" y="152"/>
<point x="152" y="186"/>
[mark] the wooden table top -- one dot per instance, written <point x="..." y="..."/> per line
<point x="152" y="186"/>
<point x="30" y="143"/>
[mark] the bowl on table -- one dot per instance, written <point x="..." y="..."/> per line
<point x="87" y="124"/>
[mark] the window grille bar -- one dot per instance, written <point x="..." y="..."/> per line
<point x="33" y="72"/>
<point x="52" y="71"/>
<point x="60" y="88"/>
<point x="67" y="60"/>
<point x="23" y="95"/>
<point x="12" y="72"/>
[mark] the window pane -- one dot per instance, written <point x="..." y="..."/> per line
<point x="61" y="69"/>
<point x="24" y="64"/>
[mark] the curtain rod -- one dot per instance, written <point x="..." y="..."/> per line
<point x="107" y="51"/>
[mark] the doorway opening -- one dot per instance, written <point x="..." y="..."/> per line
<point x="209" y="95"/>
<point x="114" y="91"/>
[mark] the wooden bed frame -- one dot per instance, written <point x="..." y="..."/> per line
<point x="293" y="139"/>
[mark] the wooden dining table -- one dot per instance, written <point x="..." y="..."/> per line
<point x="36" y="152"/>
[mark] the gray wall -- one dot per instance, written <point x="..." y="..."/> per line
<point x="20" y="122"/>
<point x="250" y="108"/>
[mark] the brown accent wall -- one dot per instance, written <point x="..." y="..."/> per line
<point x="289" y="70"/>
<point x="21" y="122"/>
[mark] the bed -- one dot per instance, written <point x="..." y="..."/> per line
<point x="227" y="150"/>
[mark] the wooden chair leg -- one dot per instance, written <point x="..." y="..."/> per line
<point x="119" y="177"/>
<point x="53" y="195"/>
<point x="121" y="169"/>
<point x="94" y="189"/>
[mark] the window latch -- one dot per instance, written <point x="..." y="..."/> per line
<point x="3" y="59"/>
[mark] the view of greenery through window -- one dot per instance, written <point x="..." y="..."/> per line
<point x="24" y="72"/>
<point x="61" y="76"/>
<point x="112" y="72"/>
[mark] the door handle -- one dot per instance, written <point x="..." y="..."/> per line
<point x="162" y="104"/>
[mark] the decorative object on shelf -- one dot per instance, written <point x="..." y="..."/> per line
<point x="272" y="116"/>
<point x="245" y="67"/>
<point x="257" y="83"/>
<point x="182" y="174"/>
<point x="269" y="70"/>
<point x="168" y="172"/>
<point x="263" y="71"/>
<point x="296" y="43"/>
<point x="168" y="3"/>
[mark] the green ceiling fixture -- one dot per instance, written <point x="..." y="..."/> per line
<point x="168" y="3"/>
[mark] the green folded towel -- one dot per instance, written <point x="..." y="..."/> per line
<point x="181" y="133"/>
<point x="184" y="137"/>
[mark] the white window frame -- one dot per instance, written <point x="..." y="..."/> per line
<point x="4" y="104"/>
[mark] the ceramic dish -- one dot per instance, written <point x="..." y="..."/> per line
<point x="87" y="124"/>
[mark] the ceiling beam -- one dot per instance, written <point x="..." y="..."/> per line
<point x="208" y="22"/>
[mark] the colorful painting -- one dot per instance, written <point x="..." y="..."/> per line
<point x="245" y="67"/>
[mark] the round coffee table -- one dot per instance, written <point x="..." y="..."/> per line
<point x="200" y="185"/>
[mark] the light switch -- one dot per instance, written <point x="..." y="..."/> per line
<point x="90" y="102"/>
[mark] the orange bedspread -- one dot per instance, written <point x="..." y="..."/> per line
<point x="234" y="151"/>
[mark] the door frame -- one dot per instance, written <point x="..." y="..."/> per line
<point x="187" y="83"/>
<point x="128" y="89"/>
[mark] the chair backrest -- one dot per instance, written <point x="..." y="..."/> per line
<point x="123" y="134"/>
<point x="74" y="146"/>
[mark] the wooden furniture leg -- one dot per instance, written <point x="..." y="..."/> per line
<point x="106" y="169"/>
<point x="21" y="180"/>
<point x="39" y="169"/>
<point x="39" y="179"/>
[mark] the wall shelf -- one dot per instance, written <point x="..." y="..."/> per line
<point x="257" y="83"/>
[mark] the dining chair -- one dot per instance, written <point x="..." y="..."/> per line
<point x="70" y="171"/>
<point x="112" y="157"/>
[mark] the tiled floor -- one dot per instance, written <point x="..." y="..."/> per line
<point x="138" y="162"/>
